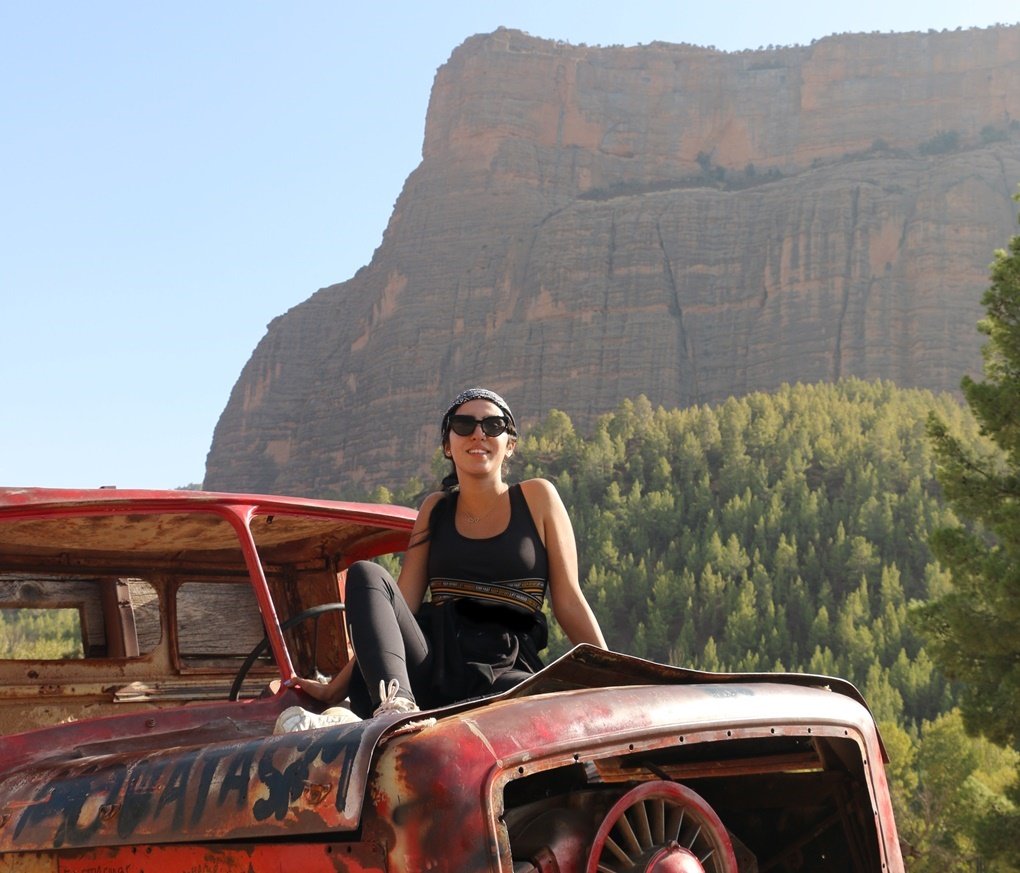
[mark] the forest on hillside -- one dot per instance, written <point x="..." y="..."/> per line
<point x="783" y="531"/>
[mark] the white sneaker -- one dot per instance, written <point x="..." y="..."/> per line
<point x="390" y="702"/>
<point x="297" y="718"/>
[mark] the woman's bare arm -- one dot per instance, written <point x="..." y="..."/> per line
<point x="414" y="572"/>
<point x="328" y="692"/>
<point x="569" y="605"/>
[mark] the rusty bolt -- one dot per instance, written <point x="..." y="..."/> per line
<point x="108" y="811"/>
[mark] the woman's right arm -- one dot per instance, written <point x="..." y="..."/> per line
<point x="328" y="692"/>
<point x="413" y="581"/>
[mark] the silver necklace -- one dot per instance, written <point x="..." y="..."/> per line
<point x="474" y="519"/>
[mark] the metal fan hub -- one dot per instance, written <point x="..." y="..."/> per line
<point x="674" y="858"/>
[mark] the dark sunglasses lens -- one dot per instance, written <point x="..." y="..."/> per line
<point x="463" y="425"/>
<point x="493" y="425"/>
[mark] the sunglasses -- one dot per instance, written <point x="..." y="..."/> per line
<point x="492" y="425"/>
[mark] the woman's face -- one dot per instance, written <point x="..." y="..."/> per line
<point x="478" y="454"/>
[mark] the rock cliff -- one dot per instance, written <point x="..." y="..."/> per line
<point x="590" y="224"/>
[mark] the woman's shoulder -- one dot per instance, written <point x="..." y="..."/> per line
<point x="540" y="492"/>
<point x="537" y="485"/>
<point x="430" y="501"/>
<point x="426" y="507"/>
<point x="546" y="507"/>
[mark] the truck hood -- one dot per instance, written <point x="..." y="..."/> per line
<point x="124" y="780"/>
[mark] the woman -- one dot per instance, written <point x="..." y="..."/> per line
<point x="488" y="552"/>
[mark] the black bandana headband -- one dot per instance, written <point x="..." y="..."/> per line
<point x="478" y="394"/>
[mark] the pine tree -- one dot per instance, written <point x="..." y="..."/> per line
<point x="975" y="627"/>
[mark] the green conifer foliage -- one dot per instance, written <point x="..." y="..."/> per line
<point x="975" y="626"/>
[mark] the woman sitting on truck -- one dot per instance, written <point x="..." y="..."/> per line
<point x="487" y="552"/>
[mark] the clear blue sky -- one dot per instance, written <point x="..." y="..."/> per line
<point x="175" y="175"/>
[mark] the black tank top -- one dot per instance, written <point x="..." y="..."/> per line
<point x="509" y="569"/>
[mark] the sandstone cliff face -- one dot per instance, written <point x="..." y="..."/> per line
<point x="590" y="224"/>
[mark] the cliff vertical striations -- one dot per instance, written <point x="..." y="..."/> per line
<point x="590" y="224"/>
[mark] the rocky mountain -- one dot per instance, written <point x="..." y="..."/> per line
<point x="588" y="224"/>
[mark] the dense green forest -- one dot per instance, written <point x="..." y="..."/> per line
<point x="784" y="531"/>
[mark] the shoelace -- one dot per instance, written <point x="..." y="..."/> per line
<point x="391" y="701"/>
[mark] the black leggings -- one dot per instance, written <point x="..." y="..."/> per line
<point x="389" y="644"/>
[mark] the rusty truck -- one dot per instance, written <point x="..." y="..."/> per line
<point x="136" y="721"/>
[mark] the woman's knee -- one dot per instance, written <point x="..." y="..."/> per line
<point x="366" y="577"/>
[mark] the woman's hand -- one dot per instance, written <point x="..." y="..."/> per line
<point x="313" y="688"/>
<point x="326" y="692"/>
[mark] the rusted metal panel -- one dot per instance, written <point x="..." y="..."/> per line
<point x="356" y="857"/>
<point x="591" y="667"/>
<point x="119" y="619"/>
<point x="304" y="783"/>
<point x="30" y="862"/>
